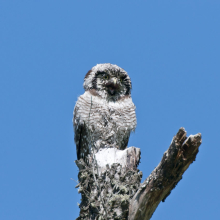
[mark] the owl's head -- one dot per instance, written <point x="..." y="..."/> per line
<point x="108" y="81"/>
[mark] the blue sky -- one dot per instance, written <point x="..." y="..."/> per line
<point x="170" y="49"/>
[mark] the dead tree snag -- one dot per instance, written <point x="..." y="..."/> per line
<point x="110" y="181"/>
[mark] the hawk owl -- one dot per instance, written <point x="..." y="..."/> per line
<point x="104" y="116"/>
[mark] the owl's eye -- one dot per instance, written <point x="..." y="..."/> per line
<point x="122" y="79"/>
<point x="105" y="77"/>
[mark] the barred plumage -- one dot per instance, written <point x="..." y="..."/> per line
<point x="104" y="116"/>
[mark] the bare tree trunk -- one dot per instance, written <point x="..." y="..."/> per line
<point x="110" y="181"/>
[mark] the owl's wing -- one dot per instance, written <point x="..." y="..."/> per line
<point x="81" y="137"/>
<point x="125" y="141"/>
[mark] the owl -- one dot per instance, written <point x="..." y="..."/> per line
<point x="104" y="116"/>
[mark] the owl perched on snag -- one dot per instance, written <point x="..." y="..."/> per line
<point x="104" y="116"/>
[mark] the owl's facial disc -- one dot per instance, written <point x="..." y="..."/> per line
<point x="108" y="81"/>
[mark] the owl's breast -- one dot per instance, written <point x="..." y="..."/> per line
<point x="113" y="116"/>
<point x="106" y="122"/>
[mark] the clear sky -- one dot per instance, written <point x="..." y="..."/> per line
<point x="171" y="51"/>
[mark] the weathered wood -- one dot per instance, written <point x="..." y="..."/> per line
<point x="129" y="158"/>
<point x="175" y="161"/>
<point x="107" y="183"/>
<point x="109" y="180"/>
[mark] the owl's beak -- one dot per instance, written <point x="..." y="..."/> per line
<point x="112" y="86"/>
<point x="114" y="80"/>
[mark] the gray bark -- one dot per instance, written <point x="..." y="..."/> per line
<point x="110" y="181"/>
